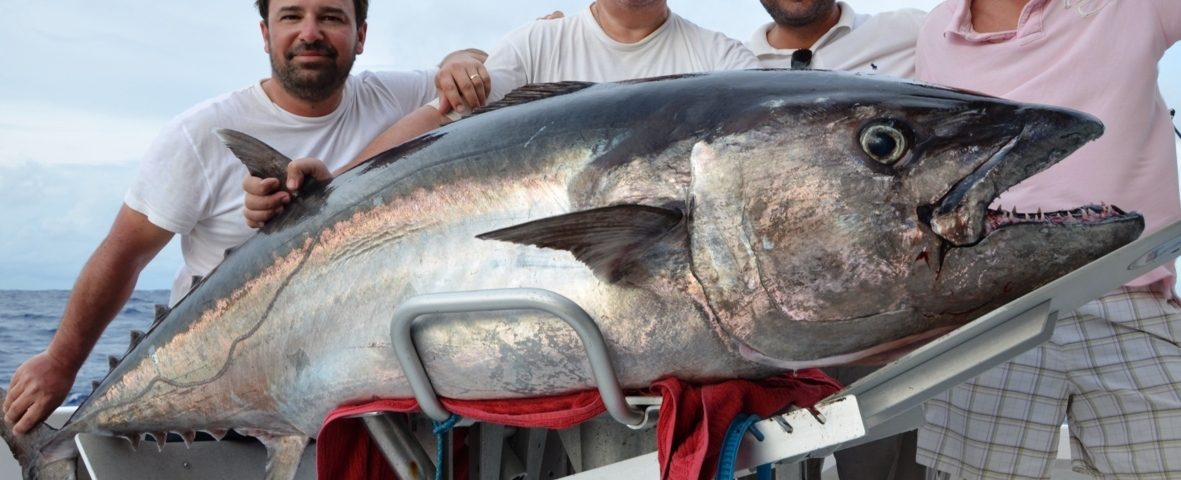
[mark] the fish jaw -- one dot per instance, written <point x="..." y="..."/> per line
<point x="1047" y="136"/>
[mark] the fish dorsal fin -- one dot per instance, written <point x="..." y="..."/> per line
<point x="260" y="159"/>
<point x="610" y="240"/>
<point x="161" y="312"/>
<point x="534" y="91"/>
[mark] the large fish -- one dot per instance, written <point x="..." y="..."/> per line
<point x="715" y="226"/>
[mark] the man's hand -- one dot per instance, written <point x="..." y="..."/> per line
<point x="264" y="197"/>
<point x="37" y="388"/>
<point x="462" y="82"/>
<point x="553" y="16"/>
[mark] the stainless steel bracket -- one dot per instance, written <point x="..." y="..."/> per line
<point x="508" y="299"/>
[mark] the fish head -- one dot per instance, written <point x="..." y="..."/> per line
<point x="847" y="220"/>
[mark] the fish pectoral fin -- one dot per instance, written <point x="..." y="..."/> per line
<point x="609" y="240"/>
<point x="283" y="454"/>
<point x="260" y="159"/>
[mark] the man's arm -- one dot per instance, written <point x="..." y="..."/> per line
<point x="42" y="382"/>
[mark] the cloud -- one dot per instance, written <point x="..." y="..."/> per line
<point x="36" y="133"/>
<point x="56" y="215"/>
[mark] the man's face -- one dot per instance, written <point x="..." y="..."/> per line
<point x="798" y="13"/>
<point x="312" y="45"/>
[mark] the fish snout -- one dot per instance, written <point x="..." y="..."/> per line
<point x="1048" y="135"/>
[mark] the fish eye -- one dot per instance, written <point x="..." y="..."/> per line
<point x="884" y="142"/>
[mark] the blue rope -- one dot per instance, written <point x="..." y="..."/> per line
<point x="733" y="440"/>
<point x="441" y="429"/>
<point x="764" y="472"/>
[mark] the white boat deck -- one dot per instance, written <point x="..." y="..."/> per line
<point x="239" y="460"/>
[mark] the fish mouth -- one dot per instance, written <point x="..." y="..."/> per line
<point x="963" y="217"/>
<point x="1086" y="215"/>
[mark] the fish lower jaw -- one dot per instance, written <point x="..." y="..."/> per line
<point x="876" y="355"/>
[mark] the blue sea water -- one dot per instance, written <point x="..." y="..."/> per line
<point x="29" y="318"/>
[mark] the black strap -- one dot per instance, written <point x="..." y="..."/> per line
<point x="1173" y="115"/>
<point x="801" y="59"/>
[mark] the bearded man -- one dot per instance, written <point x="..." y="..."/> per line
<point x="189" y="183"/>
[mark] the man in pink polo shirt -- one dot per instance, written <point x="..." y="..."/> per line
<point x="1112" y="368"/>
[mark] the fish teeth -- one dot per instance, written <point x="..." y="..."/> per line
<point x="132" y="439"/>
<point x="188" y="436"/>
<point x="217" y="433"/>
<point x="160" y="438"/>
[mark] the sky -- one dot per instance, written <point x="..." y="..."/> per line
<point x="85" y="86"/>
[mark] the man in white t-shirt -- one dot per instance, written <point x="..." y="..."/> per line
<point x="829" y="35"/>
<point x="189" y="183"/>
<point x="609" y="41"/>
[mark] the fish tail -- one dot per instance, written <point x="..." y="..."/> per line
<point x="29" y="450"/>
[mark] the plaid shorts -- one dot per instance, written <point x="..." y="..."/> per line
<point x="1112" y="370"/>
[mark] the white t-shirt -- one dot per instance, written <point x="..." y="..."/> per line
<point x="576" y="48"/>
<point x="189" y="182"/>
<point x="882" y="43"/>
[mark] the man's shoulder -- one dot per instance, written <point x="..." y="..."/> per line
<point x="688" y="28"/>
<point x="390" y="92"/>
<point x="379" y="78"/>
<point x="903" y="19"/>
<point x="721" y="51"/>
<point x="539" y="32"/>
<point x="210" y="112"/>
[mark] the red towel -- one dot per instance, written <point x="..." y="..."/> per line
<point x="693" y="419"/>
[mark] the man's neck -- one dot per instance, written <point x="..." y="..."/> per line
<point x="629" y="24"/>
<point x="299" y="106"/>
<point x="996" y="15"/>
<point x="795" y="38"/>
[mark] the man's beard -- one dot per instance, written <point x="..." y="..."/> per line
<point x="311" y="84"/>
<point x="818" y="10"/>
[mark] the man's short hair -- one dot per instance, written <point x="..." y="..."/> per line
<point x="361" y="7"/>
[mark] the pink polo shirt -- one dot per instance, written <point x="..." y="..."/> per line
<point x="1098" y="56"/>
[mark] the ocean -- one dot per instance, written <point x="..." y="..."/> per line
<point x="29" y="318"/>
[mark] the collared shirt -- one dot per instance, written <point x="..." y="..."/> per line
<point x="1098" y="56"/>
<point x="882" y="43"/>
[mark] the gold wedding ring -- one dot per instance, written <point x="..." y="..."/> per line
<point x="473" y="76"/>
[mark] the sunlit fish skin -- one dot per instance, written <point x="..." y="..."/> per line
<point x="715" y="226"/>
